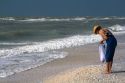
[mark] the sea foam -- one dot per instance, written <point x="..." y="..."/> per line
<point x="72" y="41"/>
<point x="52" y="19"/>
<point x="15" y="64"/>
<point x="117" y="29"/>
<point x="8" y="18"/>
<point x="22" y="58"/>
<point x="59" y="19"/>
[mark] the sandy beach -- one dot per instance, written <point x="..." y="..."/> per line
<point x="82" y="65"/>
<point x="56" y="41"/>
<point x="90" y="74"/>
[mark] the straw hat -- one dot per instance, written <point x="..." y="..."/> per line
<point x="95" y="28"/>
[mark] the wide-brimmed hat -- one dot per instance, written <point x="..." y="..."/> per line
<point x="95" y="28"/>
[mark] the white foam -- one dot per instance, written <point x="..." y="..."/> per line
<point x="53" y="19"/>
<point x="107" y="18"/>
<point x="100" y="18"/>
<point x="49" y="19"/>
<point x="117" y="29"/>
<point x="51" y="45"/>
<point x="43" y="20"/>
<point x="15" y="64"/>
<point x="79" y="18"/>
<point x="26" y="57"/>
<point x="8" y="18"/>
<point x="13" y="43"/>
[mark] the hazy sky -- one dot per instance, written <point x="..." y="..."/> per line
<point x="62" y="7"/>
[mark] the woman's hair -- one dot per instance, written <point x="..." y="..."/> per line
<point x="96" y="29"/>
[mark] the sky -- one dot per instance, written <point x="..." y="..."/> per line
<point x="62" y="7"/>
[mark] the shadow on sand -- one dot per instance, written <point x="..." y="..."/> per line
<point x="118" y="71"/>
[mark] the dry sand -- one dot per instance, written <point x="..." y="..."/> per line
<point x="90" y="74"/>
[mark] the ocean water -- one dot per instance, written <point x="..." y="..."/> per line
<point x="28" y="42"/>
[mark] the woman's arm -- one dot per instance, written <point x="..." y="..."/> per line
<point x="103" y="32"/>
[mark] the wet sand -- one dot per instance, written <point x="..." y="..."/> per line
<point x="82" y="63"/>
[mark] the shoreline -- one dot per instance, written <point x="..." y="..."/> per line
<point x="78" y="57"/>
<point x="54" y="67"/>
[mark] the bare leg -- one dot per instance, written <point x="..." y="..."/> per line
<point x="107" y="68"/>
<point x="110" y="66"/>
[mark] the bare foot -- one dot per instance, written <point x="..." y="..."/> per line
<point x="107" y="72"/>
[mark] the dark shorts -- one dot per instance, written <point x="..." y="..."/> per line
<point x="111" y="44"/>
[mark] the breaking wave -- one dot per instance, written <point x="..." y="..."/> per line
<point x="52" y="19"/>
<point x="51" y="45"/>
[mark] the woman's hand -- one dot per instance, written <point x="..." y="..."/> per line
<point x="101" y="42"/>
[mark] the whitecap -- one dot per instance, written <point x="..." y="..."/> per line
<point x="67" y="42"/>
<point x="117" y="29"/>
<point x="52" y="19"/>
<point x="8" y="18"/>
